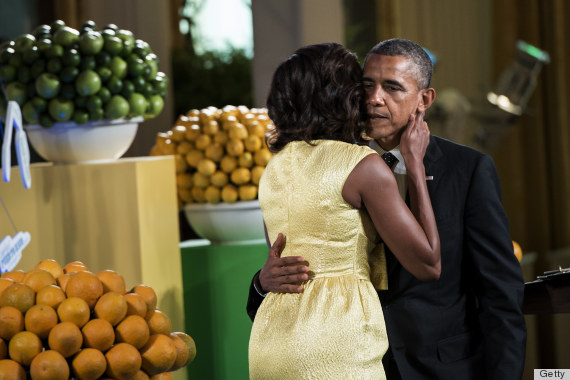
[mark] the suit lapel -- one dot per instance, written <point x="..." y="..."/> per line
<point x="434" y="172"/>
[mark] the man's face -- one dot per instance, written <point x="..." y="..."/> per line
<point x="391" y="95"/>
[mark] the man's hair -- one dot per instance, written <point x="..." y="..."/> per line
<point x="421" y="61"/>
<point x="316" y="94"/>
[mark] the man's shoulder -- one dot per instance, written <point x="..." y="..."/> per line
<point x="453" y="150"/>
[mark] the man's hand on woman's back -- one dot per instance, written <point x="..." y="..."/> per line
<point x="282" y="274"/>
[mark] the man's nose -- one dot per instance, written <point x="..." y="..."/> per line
<point x="376" y="97"/>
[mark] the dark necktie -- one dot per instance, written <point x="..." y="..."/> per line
<point x="389" y="159"/>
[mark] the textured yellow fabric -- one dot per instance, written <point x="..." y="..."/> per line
<point x="334" y="329"/>
<point x="377" y="262"/>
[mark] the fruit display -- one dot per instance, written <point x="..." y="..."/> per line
<point x="63" y="322"/>
<point x="517" y="250"/>
<point x="220" y="154"/>
<point x="61" y="74"/>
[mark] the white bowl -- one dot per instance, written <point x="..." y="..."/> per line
<point x="227" y="223"/>
<point x="92" y="142"/>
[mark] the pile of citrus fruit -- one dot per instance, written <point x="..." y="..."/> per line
<point x="67" y="322"/>
<point x="220" y="154"/>
<point x="57" y="74"/>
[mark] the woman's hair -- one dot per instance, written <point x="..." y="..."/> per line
<point x="316" y="94"/>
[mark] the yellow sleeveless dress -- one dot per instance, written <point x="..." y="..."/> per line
<point x="334" y="329"/>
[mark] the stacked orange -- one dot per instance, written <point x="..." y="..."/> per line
<point x="67" y="322"/>
<point x="220" y="154"/>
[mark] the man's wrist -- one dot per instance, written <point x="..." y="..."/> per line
<point x="257" y="286"/>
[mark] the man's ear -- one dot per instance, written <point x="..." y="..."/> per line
<point x="427" y="96"/>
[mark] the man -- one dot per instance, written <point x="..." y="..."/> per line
<point x="469" y="323"/>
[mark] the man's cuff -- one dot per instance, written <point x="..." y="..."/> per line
<point x="257" y="286"/>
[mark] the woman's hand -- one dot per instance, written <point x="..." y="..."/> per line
<point x="414" y="141"/>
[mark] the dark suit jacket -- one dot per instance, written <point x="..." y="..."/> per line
<point x="469" y="323"/>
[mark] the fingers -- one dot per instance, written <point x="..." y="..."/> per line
<point x="278" y="246"/>
<point x="411" y="121"/>
<point x="283" y="279"/>
<point x="288" y="261"/>
<point x="416" y="123"/>
<point x="291" y="279"/>
<point x="289" y="289"/>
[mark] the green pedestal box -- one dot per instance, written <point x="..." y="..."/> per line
<point x="216" y="281"/>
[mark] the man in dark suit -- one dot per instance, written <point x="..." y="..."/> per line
<point x="469" y="323"/>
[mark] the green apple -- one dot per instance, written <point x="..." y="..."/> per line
<point x="47" y="85"/>
<point x="61" y="109"/>
<point x="7" y="73"/>
<point x="137" y="104"/>
<point x="66" y="36"/>
<point x="87" y="83"/>
<point x="113" y="44"/>
<point x="30" y="114"/>
<point x="116" y="108"/>
<point x="24" y="42"/>
<point x="118" y="67"/>
<point x="80" y="117"/>
<point x="16" y="91"/>
<point x="91" y="42"/>
<point x="155" y="106"/>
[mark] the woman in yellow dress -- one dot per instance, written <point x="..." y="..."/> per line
<point x="332" y="198"/>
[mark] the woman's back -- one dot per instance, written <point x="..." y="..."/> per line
<point x="301" y="196"/>
<point x="336" y="325"/>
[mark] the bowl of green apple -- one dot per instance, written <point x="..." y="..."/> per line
<point x="82" y="92"/>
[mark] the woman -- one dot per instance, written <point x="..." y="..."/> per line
<point x="331" y="198"/>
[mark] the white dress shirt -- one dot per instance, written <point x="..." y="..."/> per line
<point x="399" y="169"/>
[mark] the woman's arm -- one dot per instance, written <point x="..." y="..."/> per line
<point x="412" y="233"/>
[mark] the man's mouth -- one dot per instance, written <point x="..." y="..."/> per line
<point x="376" y="116"/>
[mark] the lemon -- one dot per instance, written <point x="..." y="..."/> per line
<point x="211" y="128"/>
<point x="215" y="152"/>
<point x="229" y="193"/>
<point x="256" y="173"/>
<point x="262" y="157"/>
<point x="184" y="180"/>
<point x="192" y="132"/>
<point x="206" y="167"/>
<point x="193" y="112"/>
<point x="240" y="176"/>
<point x="234" y="147"/>
<point x="219" y="179"/>
<point x="237" y="131"/>
<point x="221" y="137"/>
<point x="245" y="160"/>
<point x="247" y="192"/>
<point x="228" y="164"/>
<point x="212" y="194"/>
<point x="198" y="194"/>
<point x="193" y="157"/>
<point x="185" y="195"/>
<point x="180" y="163"/>
<point x="200" y="180"/>
<point x="256" y="129"/>
<point x="203" y="141"/>
<point x="184" y="147"/>
<point x="252" y="143"/>
<point x="206" y="116"/>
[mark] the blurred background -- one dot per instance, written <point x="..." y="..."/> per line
<point x="219" y="52"/>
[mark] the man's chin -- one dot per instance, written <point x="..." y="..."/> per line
<point x="378" y="130"/>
